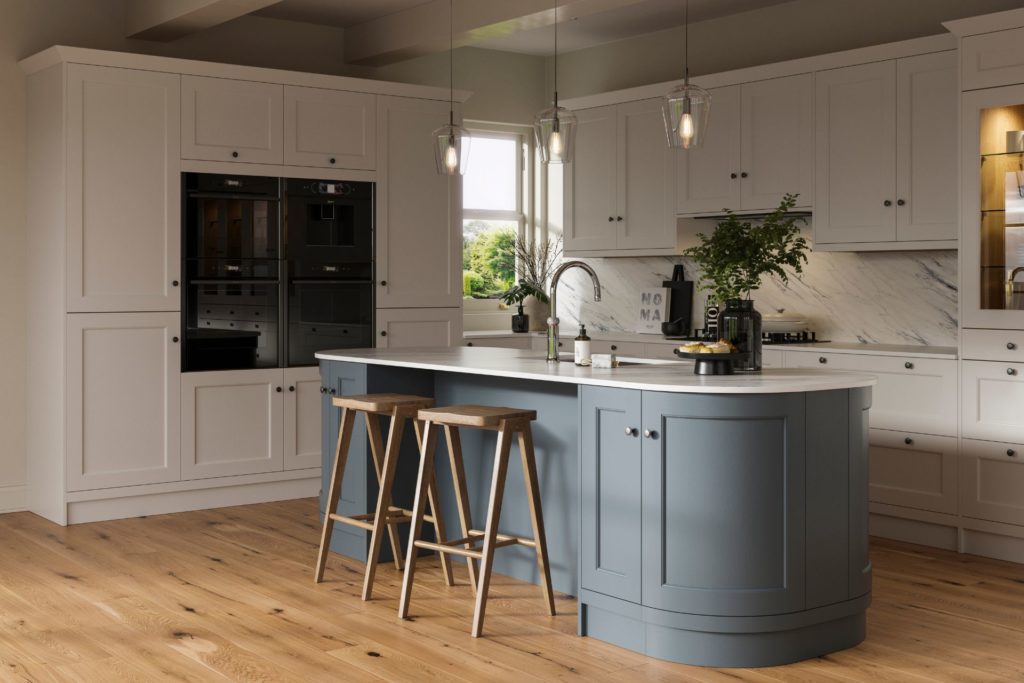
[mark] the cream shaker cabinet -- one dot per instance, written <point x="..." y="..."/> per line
<point x="759" y="147"/>
<point x="399" y="328"/>
<point x="621" y="194"/>
<point x="993" y="401"/>
<point x="330" y="128"/>
<point x="229" y="120"/>
<point x="301" y="426"/>
<point x="886" y="155"/>
<point x="122" y="399"/>
<point x="123" y="190"/>
<point x="419" y="234"/>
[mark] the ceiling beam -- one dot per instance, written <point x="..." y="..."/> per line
<point x="167" y="20"/>
<point x="423" y="29"/>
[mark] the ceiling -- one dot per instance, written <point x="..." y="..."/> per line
<point x="343" y="13"/>
<point x="618" y="24"/>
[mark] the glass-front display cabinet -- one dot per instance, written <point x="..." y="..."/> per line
<point x="993" y="205"/>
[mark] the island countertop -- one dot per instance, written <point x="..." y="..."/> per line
<point x="645" y="374"/>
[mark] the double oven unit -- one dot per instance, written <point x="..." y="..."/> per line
<point x="274" y="270"/>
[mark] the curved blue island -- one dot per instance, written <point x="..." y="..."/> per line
<point x="711" y="520"/>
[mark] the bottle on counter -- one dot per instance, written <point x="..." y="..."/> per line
<point x="581" y="347"/>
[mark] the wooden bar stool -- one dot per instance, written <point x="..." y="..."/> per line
<point x="399" y="408"/>
<point x="507" y="422"/>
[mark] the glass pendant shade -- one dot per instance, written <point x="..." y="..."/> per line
<point x="451" y="149"/>
<point x="555" y="132"/>
<point x="686" y="116"/>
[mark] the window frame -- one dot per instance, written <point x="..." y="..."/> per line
<point x="524" y="214"/>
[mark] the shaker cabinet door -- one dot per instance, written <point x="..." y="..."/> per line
<point x="124" y="190"/>
<point x="399" y="328"/>
<point x="646" y="179"/>
<point x="855" y="151"/>
<point x="228" y="120"/>
<point x="122" y="399"/>
<point x="708" y="177"/>
<point x="301" y="428"/>
<point x="590" y="200"/>
<point x="330" y="128"/>
<point x="610" y="492"/>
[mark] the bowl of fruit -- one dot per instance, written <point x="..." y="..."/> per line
<point x="710" y="357"/>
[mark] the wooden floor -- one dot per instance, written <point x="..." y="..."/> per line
<point x="228" y="595"/>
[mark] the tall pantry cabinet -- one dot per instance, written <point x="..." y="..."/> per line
<point x="115" y="429"/>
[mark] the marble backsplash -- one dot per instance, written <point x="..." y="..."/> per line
<point x="869" y="297"/>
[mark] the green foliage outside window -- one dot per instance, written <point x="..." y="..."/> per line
<point x="488" y="259"/>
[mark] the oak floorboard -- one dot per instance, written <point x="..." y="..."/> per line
<point x="228" y="594"/>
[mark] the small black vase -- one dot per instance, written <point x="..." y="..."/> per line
<point x="521" y="321"/>
<point x="740" y="324"/>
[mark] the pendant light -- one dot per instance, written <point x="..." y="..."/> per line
<point x="451" y="142"/>
<point x="686" y="107"/>
<point x="555" y="128"/>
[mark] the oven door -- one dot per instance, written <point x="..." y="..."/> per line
<point x="327" y="234"/>
<point x="231" y="325"/>
<point x="328" y="314"/>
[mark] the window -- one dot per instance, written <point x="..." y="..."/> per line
<point x="492" y="211"/>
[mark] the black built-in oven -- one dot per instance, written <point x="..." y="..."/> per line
<point x="274" y="270"/>
<point x="329" y="252"/>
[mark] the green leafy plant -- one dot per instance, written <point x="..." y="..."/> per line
<point x="738" y="254"/>
<point x="518" y="293"/>
<point x="536" y="260"/>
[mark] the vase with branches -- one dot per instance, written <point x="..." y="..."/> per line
<point x="736" y="258"/>
<point x="535" y="260"/>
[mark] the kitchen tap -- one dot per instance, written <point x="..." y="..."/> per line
<point x="553" y="297"/>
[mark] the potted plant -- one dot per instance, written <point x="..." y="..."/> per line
<point x="736" y="257"/>
<point x="535" y="260"/>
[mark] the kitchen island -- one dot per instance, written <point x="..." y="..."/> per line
<point x="719" y="521"/>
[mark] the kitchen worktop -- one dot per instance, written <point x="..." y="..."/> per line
<point x="652" y="375"/>
<point x="905" y="350"/>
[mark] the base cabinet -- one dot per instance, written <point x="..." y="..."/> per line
<point x="917" y="471"/>
<point x="122" y="399"/>
<point x="992" y="481"/>
<point x="301" y="428"/>
<point x="399" y="328"/>
<point x="993" y="396"/>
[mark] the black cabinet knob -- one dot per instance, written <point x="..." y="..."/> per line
<point x="1011" y="371"/>
<point x="234" y="155"/>
<point x="277" y="389"/>
<point x="174" y="339"/>
<point x="291" y="388"/>
<point x="383" y="333"/>
<point x="611" y="219"/>
<point x="908" y="365"/>
<point x="383" y="283"/>
<point x="908" y="441"/>
<point x="887" y="202"/>
<point x="1010" y="452"/>
<point x="900" y="202"/>
<point x="618" y="218"/>
<point x="332" y="160"/>
<point x="743" y="174"/>
<point x="174" y="283"/>
<point x="614" y="347"/>
<point x="469" y="343"/>
<point x="733" y="176"/>
<point x="1011" y="346"/>
<point x="822" y="360"/>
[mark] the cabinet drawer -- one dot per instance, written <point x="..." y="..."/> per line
<point x="772" y="358"/>
<point x="1005" y="345"/>
<point x="521" y="342"/>
<point x="992" y="481"/>
<point x="660" y="351"/>
<point x="993" y="59"/>
<point x="993" y="398"/>
<point x="913" y="470"/>
<point x="620" y="349"/>
<point x="914" y="394"/>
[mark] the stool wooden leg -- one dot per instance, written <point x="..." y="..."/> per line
<point x="334" y="493"/>
<point x="536" y="516"/>
<point x="387" y="478"/>
<point x="505" y="434"/>
<point x="427" y="447"/>
<point x="379" y="462"/>
<point x="435" y="512"/>
<point x="461" y="493"/>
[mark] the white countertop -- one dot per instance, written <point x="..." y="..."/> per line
<point x="653" y="375"/>
<point x="908" y="350"/>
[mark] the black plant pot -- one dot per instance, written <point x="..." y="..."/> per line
<point x="521" y="321"/>
<point x="740" y="324"/>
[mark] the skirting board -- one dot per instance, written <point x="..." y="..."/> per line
<point x="13" y="498"/>
<point x="186" y="501"/>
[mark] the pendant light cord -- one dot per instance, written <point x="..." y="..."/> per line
<point x="556" y="53"/>
<point x="686" y="43"/>
<point x="451" y="62"/>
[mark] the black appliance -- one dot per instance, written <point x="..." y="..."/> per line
<point x="274" y="270"/>
<point x="329" y="252"/>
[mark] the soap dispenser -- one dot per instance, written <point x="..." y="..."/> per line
<point x="581" y="347"/>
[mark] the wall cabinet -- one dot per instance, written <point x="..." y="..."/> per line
<point x="330" y="128"/>
<point x="759" y="148"/>
<point x="123" y="185"/>
<point x="886" y="155"/>
<point x="419" y="236"/>
<point x="914" y="470"/>
<point x="230" y="120"/>
<point x="122" y="399"/>
<point x="620" y="198"/>
<point x="399" y="328"/>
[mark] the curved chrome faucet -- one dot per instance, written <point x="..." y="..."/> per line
<point x="553" y="297"/>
